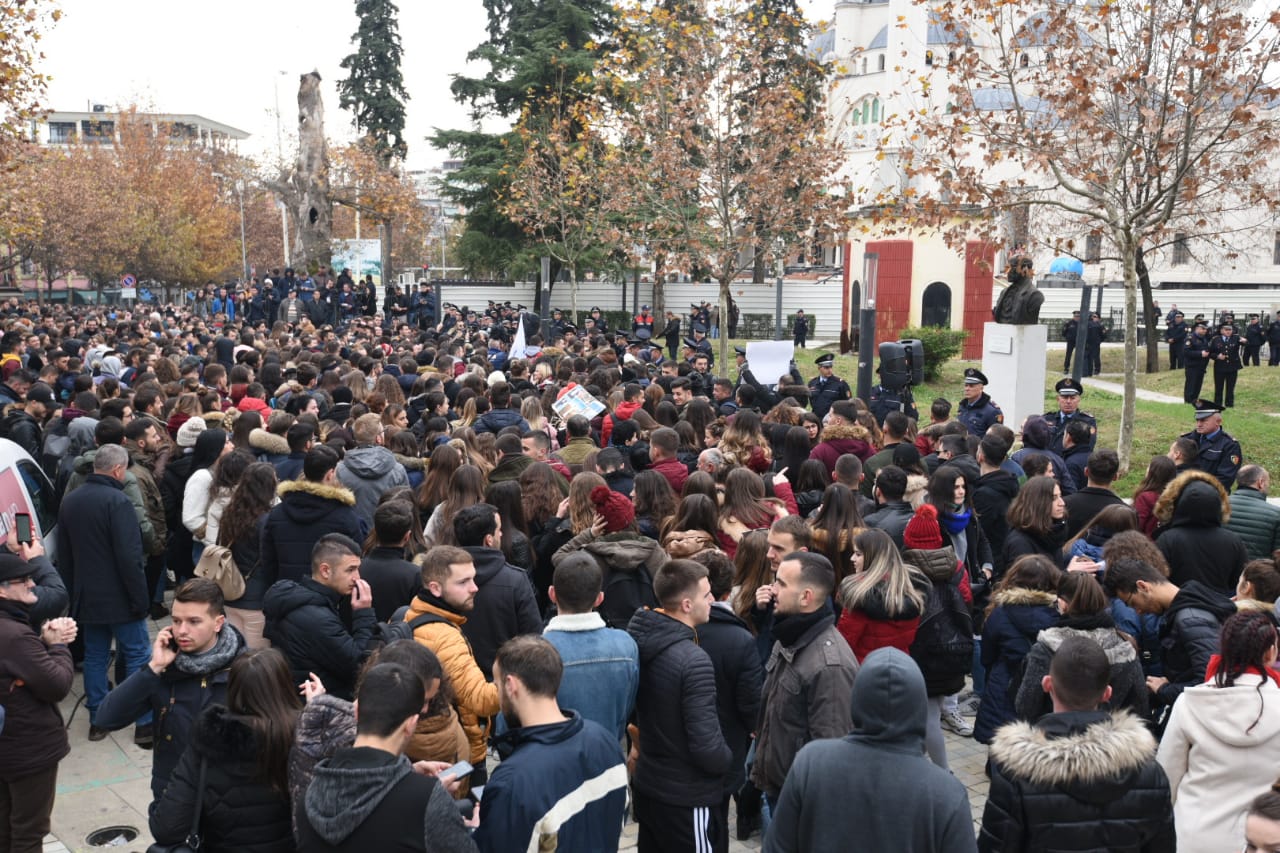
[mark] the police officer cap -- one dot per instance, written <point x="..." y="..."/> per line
<point x="691" y="343"/>
<point x="825" y="360"/>
<point x="1205" y="408"/>
<point x="740" y="350"/>
<point x="699" y="329"/>
<point x="974" y="376"/>
<point x="1068" y="387"/>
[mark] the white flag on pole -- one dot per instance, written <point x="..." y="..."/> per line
<point x="518" y="345"/>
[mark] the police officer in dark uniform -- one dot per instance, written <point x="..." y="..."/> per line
<point x="702" y="345"/>
<point x="977" y="411"/>
<point x="602" y="328"/>
<point x="1273" y="341"/>
<point x="885" y="400"/>
<point x="1096" y="334"/>
<point x="557" y="323"/>
<point x="1175" y="335"/>
<point x="1069" y="331"/>
<point x="1224" y="352"/>
<point x="1195" y="358"/>
<point x="827" y="388"/>
<point x="1253" y="339"/>
<point x="1069" y="391"/>
<point x="1219" y="454"/>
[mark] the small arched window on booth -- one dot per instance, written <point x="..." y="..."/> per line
<point x="935" y="309"/>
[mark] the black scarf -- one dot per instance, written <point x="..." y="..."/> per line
<point x="789" y="629"/>
<point x="439" y="602"/>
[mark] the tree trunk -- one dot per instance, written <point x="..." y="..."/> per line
<point x="659" y="287"/>
<point x="1150" y="320"/>
<point x="1128" y="414"/>
<point x="573" y="292"/>
<point x="388" y="274"/>
<point x="723" y="355"/>
<point x="312" y="206"/>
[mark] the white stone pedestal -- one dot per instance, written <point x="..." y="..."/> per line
<point x="1013" y="358"/>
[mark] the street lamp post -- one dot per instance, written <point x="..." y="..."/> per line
<point x="244" y="253"/>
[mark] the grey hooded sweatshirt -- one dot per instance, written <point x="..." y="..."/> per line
<point x="370" y="472"/>
<point x="364" y="799"/>
<point x="842" y="788"/>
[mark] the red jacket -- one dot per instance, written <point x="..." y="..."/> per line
<point x="623" y="412"/>
<point x="839" y="439"/>
<point x="865" y="633"/>
<point x="674" y="470"/>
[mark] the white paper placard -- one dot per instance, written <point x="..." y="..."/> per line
<point x="770" y="360"/>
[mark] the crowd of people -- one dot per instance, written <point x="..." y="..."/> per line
<point x="425" y="597"/>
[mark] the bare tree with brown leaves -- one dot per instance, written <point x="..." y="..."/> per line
<point x="720" y="159"/>
<point x="1130" y="120"/>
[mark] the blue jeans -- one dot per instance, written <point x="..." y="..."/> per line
<point x="132" y="641"/>
<point x="979" y="671"/>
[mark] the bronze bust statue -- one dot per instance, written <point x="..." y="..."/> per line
<point x="1019" y="304"/>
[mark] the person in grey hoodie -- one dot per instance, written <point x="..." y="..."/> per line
<point x="367" y="796"/>
<point x="836" y="789"/>
<point x="370" y="470"/>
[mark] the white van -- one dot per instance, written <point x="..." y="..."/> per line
<point x="25" y="488"/>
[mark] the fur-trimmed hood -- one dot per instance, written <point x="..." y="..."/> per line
<point x="1118" y="649"/>
<point x="1190" y="500"/>
<point x="411" y="463"/>
<point x="319" y="490"/>
<point x="1028" y="597"/>
<point x="1072" y="749"/>
<point x="835" y="432"/>
<point x="268" y="442"/>
<point x="224" y="736"/>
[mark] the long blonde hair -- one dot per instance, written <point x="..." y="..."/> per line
<point x="582" y="513"/>
<point x="882" y="569"/>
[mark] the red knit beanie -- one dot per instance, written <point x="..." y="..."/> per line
<point x="923" y="530"/>
<point x="617" y="509"/>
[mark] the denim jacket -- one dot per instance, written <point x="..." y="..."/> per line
<point x="601" y="669"/>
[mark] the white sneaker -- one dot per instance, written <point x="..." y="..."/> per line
<point x="953" y="720"/>
<point x="969" y="707"/>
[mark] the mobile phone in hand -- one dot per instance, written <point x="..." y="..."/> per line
<point x="22" y="522"/>
<point x="457" y="771"/>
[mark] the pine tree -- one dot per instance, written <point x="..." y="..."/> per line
<point x="374" y="88"/>
<point x="532" y="46"/>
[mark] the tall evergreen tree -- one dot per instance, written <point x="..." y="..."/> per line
<point x="531" y="47"/>
<point x="374" y="88"/>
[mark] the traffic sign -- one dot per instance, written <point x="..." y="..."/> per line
<point x="128" y="280"/>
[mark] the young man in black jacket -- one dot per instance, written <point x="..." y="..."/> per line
<point x="368" y="796"/>
<point x="1080" y="778"/>
<point x="304" y="622"/>
<point x="1191" y="618"/>
<point x="190" y="662"/>
<point x="393" y="580"/>
<point x="505" y="604"/>
<point x="678" y="786"/>
<point x="739" y="677"/>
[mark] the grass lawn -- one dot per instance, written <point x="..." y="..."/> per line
<point x="1257" y="394"/>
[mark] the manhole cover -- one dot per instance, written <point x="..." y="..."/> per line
<point x="112" y="836"/>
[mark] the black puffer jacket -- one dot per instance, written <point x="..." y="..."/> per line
<point x="302" y="621"/>
<point x="739" y="677"/>
<point x="683" y="755"/>
<point x="240" y="813"/>
<point x="1021" y="543"/>
<point x="21" y="428"/>
<point x="1192" y="510"/>
<point x="1127" y="680"/>
<point x="1081" y="780"/>
<point x="306" y="512"/>
<point x="505" y="606"/>
<point x="991" y="499"/>
<point x="1189" y="636"/>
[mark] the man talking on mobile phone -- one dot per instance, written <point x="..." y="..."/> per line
<point x="304" y="623"/>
